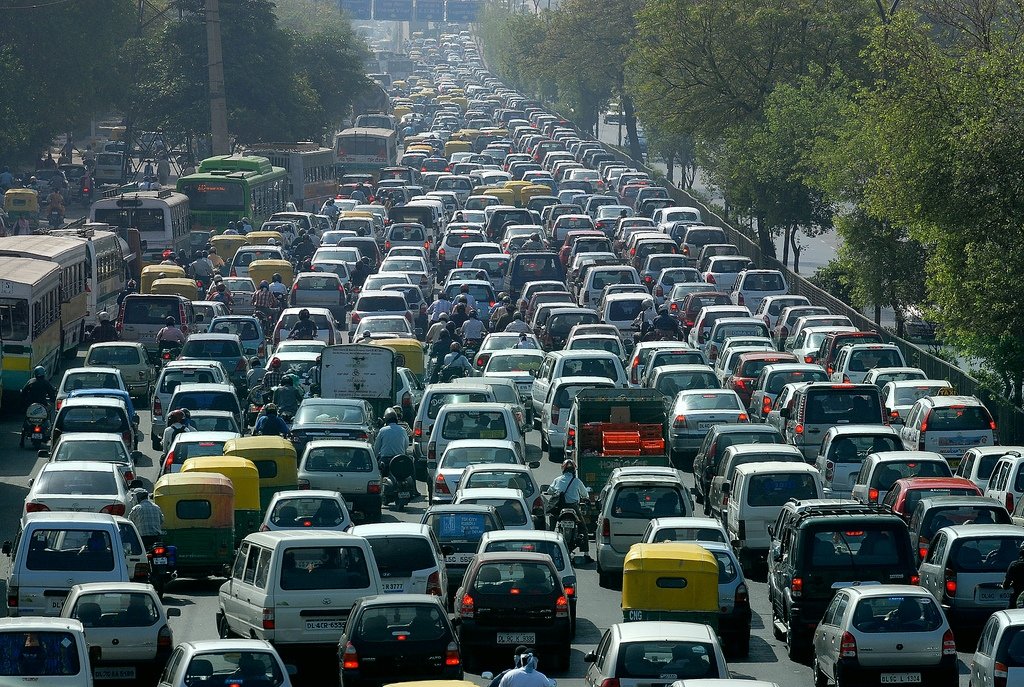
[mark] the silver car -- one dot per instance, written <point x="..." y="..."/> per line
<point x="299" y="509"/>
<point x="648" y="653"/>
<point x="174" y="373"/>
<point x="348" y="467"/>
<point x="888" y="634"/>
<point x="693" y="413"/>
<point x="446" y="472"/>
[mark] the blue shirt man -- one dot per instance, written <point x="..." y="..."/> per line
<point x="391" y="441"/>
<point x="569" y="484"/>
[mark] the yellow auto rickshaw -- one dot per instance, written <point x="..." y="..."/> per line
<point x="275" y="460"/>
<point x="452" y="147"/>
<point x="176" y="286"/>
<point x="516" y="187"/>
<point x="246" y="481"/>
<point x="527" y="193"/>
<point x="266" y="269"/>
<point x="408" y="353"/>
<point x="505" y="195"/>
<point x="22" y="203"/>
<point x="151" y="273"/>
<point x="670" y="581"/>
<point x="262" y="238"/>
<point x="227" y="245"/>
<point x="199" y="520"/>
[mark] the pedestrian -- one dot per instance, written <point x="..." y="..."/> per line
<point x="163" y="170"/>
<point x="148" y="170"/>
<point x="148" y="518"/>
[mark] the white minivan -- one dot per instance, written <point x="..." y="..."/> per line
<point x="53" y="651"/>
<point x="296" y="586"/>
<point x="756" y="495"/>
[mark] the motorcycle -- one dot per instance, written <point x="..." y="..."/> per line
<point x="166" y="352"/>
<point x="259" y="396"/>
<point x="572" y="527"/>
<point x="36" y="426"/>
<point x="400" y="483"/>
<point x="162" y="563"/>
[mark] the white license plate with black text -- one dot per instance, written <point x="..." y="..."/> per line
<point x="517" y="637"/>
<point x="325" y="625"/>
<point x="114" y="673"/>
<point x="900" y="678"/>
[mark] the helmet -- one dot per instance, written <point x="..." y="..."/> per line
<point x="568" y="466"/>
<point x="464" y="288"/>
<point x="455" y="347"/>
<point x="472" y="314"/>
<point x="245" y="220"/>
<point x="663" y="310"/>
<point x="304" y="314"/>
<point x="271" y="408"/>
<point x="170" y="321"/>
<point x="264" y="284"/>
<point x="271" y="242"/>
<point x="275" y="363"/>
<point x="443" y="317"/>
<point x="168" y="253"/>
<point x="132" y="284"/>
<point x="175" y="416"/>
<point x="39" y="372"/>
<point x="365" y="260"/>
<point x="390" y="415"/>
<point x="221" y="288"/>
<point x="277" y="276"/>
<point x="104" y="316"/>
<point x="288" y="380"/>
<point x="217" y="278"/>
<point x="254" y="361"/>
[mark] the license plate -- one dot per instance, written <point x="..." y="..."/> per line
<point x="162" y="560"/>
<point x="992" y="596"/>
<point x="706" y="425"/>
<point x="900" y="678"/>
<point x="125" y="673"/>
<point x="325" y="625"/>
<point x="404" y="494"/>
<point x="57" y="604"/>
<point x="458" y="558"/>
<point x="517" y="637"/>
<point x="37" y="435"/>
<point x="393" y="587"/>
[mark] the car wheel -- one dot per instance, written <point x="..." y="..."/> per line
<point x="740" y="644"/>
<point x="223" y="629"/>
<point x="604" y="578"/>
<point x="779" y="633"/>
<point x="796" y="644"/>
<point x="819" y="677"/>
<point x="565" y="657"/>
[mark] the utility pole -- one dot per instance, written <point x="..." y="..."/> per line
<point x="218" y="102"/>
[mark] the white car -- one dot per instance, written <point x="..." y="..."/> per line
<point x="998" y="655"/>
<point x="194" y="445"/>
<point x="297" y="509"/>
<point x="79" y="485"/>
<point x="505" y="475"/>
<point x="446" y="473"/>
<point x="378" y="326"/>
<point x="215" y="661"/>
<point x="129" y="622"/>
<point x="105" y="447"/>
<point x="511" y="506"/>
<point x="89" y="378"/>
<point x="656" y="652"/>
<point x="685" y="529"/>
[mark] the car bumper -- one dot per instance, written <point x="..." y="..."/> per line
<point x="686" y="443"/>
<point x="608" y="558"/>
<point x="735" y="623"/>
<point x="353" y="678"/>
<point x="969" y="616"/>
<point x="945" y="673"/>
<point x="555" y="437"/>
<point x="474" y="637"/>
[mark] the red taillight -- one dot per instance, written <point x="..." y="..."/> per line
<point x="459" y="263"/>
<point x="742" y="596"/>
<point x="373" y="488"/>
<point x="159" y="551"/>
<point x="679" y="421"/>
<point x="141" y="573"/>
<point x="467" y="609"/>
<point x="451" y="655"/>
<point x="915" y="579"/>
<point x="710" y="278"/>
<point x="873" y="495"/>
<point x="648" y="279"/>
<point x="268" y="618"/>
<point x="34" y="507"/>
<point x="992" y="425"/>
<point x="387" y="245"/>
<point x="168" y="462"/>
<point x="562" y="607"/>
<point x="164" y="638"/>
<point x="922" y="547"/>
<point x="809" y="359"/>
<point x="570" y="438"/>
<point x="674" y="307"/>
<point x="950" y="582"/>
<point x="37" y="429"/>
<point x="434" y="584"/>
<point x="1009" y="503"/>
<point x="355" y="317"/>
<point x="848" y="646"/>
<point x="12" y="597"/>
<point x="417" y="429"/>
<point x="999" y="673"/>
<point x="796" y="586"/>
<point x="113" y="509"/>
<point x="742" y="417"/>
<point x="766" y="406"/>
<point x="440" y="486"/>
<point x="350" y="658"/>
<point x="606" y="529"/>
<point x="610" y="682"/>
<point x="799" y="429"/>
<point x="60" y="402"/>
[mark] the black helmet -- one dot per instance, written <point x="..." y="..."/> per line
<point x="569" y="466"/>
<point x="277" y="276"/>
<point x="170" y="321"/>
<point x="390" y="416"/>
<point x="304" y="314"/>
<point x="663" y="310"/>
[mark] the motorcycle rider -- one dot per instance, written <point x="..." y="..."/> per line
<point x="176" y="424"/>
<point x="473" y="330"/>
<point x="277" y="286"/>
<point x="360" y="272"/>
<point x="148" y="519"/>
<point x="270" y="424"/>
<point x="131" y="287"/>
<point x="506" y="314"/>
<point x="534" y="243"/>
<point x="105" y="331"/>
<point x="288" y="396"/>
<point x="170" y="334"/>
<point x="525" y="342"/>
<point x="567" y="490"/>
<point x="256" y="373"/>
<point x="526" y="675"/>
<point x="442" y="306"/>
<point x="455" y="365"/>
<point x="38" y="390"/>
<point x="391" y="441"/>
<point x="666" y="324"/>
<point x="644" y="319"/>
<point x="518" y="325"/>
<point x="265" y="302"/>
<point x="304" y="328"/>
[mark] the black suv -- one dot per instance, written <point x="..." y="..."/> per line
<point x="824" y="547"/>
<point x="510" y="598"/>
<point x="721" y="437"/>
<point x="397" y="637"/>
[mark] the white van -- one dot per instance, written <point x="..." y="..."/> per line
<point x="948" y="425"/>
<point x="1007" y="482"/>
<point x="53" y="651"/>
<point x="296" y="586"/>
<point x="479" y="421"/>
<point x="56" y="550"/>
<point x="597" y="278"/>
<point x="855" y="361"/>
<point x="408" y="557"/>
<point x="756" y="496"/>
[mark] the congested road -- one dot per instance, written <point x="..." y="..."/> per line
<point x="598" y="608"/>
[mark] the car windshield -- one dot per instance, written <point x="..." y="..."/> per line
<point x="201" y="400"/>
<point x="626" y="309"/>
<point x="103" y="450"/>
<point x="172" y="378"/>
<point x="511" y="510"/>
<point x="324" y="567"/>
<point x="243" y="329"/>
<point x="890" y="614"/>
<point x="338" y="459"/>
<point x="959" y="418"/>
<point x="210" y="349"/>
<point x="842" y="406"/>
<point x="113" y="356"/>
<point x="313" y="512"/>
<point x="855" y="448"/>
<point x="69" y="550"/>
<point x="514" y="577"/>
<point x="39" y="654"/>
<point x="610" y="345"/>
<point x="777" y="489"/>
<point x="95" y="419"/>
<point x="222" y="667"/>
<point x="331" y="414"/>
<point x="780" y="379"/>
<point x="646" y="502"/>
<point x="869" y="359"/>
<point x="938" y="518"/>
<point x="591" y="367"/>
<point x="914" y="496"/>
<point x="116" y="609"/>
<point x="909" y="395"/>
<point x="371" y="304"/>
<point x="474" y="425"/>
<point x="605" y="277"/>
<point x="984" y="554"/>
<point x="76" y="482"/>
<point x="672" y="383"/>
<point x="667" y="660"/>
<point x="514" y="363"/>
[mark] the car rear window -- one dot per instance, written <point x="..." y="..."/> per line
<point x="324" y="567"/>
<point x="86" y="419"/>
<point x="626" y="309"/>
<point x="69" y="550"/>
<point x="749" y="329"/>
<point x="480" y="292"/>
<point x="958" y="419"/>
<point x="511" y="511"/>
<point x="887" y="614"/>
<point x="854" y="449"/>
<point x="666" y="534"/>
<point x="39" y="653"/>
<point x="729" y="266"/>
<point x="400" y="556"/>
<point x="984" y="554"/>
<point x="781" y="379"/>
<point x="1010" y="651"/>
<point x="937" y="518"/>
<point x="91" y="380"/>
<point x="603" y="278"/>
<point x="851" y="544"/>
<point x="318" y="284"/>
<point x="836" y="406"/>
<point x="116" y="609"/>
<point x="536" y="268"/>
<point x="183" y="450"/>
<point x="776" y="489"/>
<point x="886" y="474"/>
<point x="338" y="459"/>
<point x="474" y="425"/>
<point x="460" y="527"/>
<point x="369" y="304"/>
<point x="114" y="356"/>
<point x="868" y="359"/>
<point x="211" y="349"/>
<point x="525" y="578"/>
<point x="172" y="378"/>
<point x="914" y="496"/>
<point x="646" y="502"/>
<point x="712" y="401"/>
<point x="407" y="622"/>
<point x="511" y="479"/>
<point x="206" y="400"/>
<point x="672" y="383"/>
<point x="560" y="324"/>
<point x="457" y="239"/>
<point x="764" y="282"/>
<point x="151" y="311"/>
<point x="591" y="367"/>
<point x="439" y="400"/>
<point x="667" y="660"/>
<point x="550" y="548"/>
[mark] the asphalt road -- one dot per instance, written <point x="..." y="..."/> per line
<point x="598" y="608"/>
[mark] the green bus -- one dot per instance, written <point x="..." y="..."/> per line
<point x="230" y="187"/>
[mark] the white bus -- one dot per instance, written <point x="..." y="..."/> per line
<point x="312" y="176"/>
<point x="29" y="318"/>
<point x="366" y="150"/>
<point x="161" y="217"/>
<point x="106" y="272"/>
<point x="71" y="254"/>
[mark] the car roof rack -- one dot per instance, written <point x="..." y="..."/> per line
<point x="839" y="509"/>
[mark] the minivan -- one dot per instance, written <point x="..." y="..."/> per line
<point x="296" y="586"/>
<point x="63" y="657"/>
<point x="843" y="450"/>
<point x="854" y="361"/>
<point x="820" y="405"/>
<point x="948" y="425"/>
<point x="409" y="558"/>
<point x="142" y="316"/>
<point x="532" y="266"/>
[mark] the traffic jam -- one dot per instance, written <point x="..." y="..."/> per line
<point x="404" y="437"/>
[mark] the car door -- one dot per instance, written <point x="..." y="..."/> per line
<point x="541" y="385"/>
<point x="932" y="570"/>
<point x="825" y="647"/>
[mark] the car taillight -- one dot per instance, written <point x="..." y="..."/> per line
<point x="799" y="429"/>
<point x="742" y="596"/>
<point x="440" y="253"/>
<point x="440" y="486"/>
<point x="12" y="597"/>
<point x="679" y="421"/>
<point x="458" y="263"/>
<point x="809" y="359"/>
<point x="1009" y="503"/>
<point x="922" y="547"/>
<point x="168" y="462"/>
<point x="742" y="417"/>
<point x="674" y="307"/>
<point x="830" y="470"/>
<point x="915" y="579"/>
<point x="556" y="413"/>
<point x="949" y="585"/>
<point x="35" y="507"/>
<point x="606" y="530"/>
<point x="432" y="451"/>
<point x="373" y="488"/>
<point x="796" y="586"/>
<point x="434" y="584"/>
<point x="350" y="657"/>
<point x="766" y="405"/>
<point x="141" y="573"/>
<point x="610" y="682"/>
<point x="570" y="438"/>
<point x="38" y="429"/>
<point x="873" y="495"/>
<point x="451" y="655"/>
<point x="268" y="618"/>
<point x="164" y="639"/>
<point x="562" y="607"/>
<point x="648" y="279"/>
<point x="710" y="278"/>
<point x="113" y="509"/>
<point x="634" y="371"/>
<point x="999" y="672"/>
<point x="417" y="429"/>
<point x="355" y="317"/>
<point x="467" y="609"/>
<point x="848" y="646"/>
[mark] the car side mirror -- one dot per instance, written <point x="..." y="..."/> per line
<point x="95" y="653"/>
<point x="784" y="412"/>
<point x="43" y="454"/>
<point x="590" y="657"/>
<point x="487" y="675"/>
<point x="173" y="612"/>
<point x="534" y="464"/>
<point x="136" y="419"/>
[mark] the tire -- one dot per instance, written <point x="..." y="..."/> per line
<point x="604" y="578"/>
<point x="223" y="630"/>
<point x="820" y="680"/>
<point x="373" y="515"/>
<point x="565" y="657"/>
<point x="739" y="644"/>
<point x="796" y="644"/>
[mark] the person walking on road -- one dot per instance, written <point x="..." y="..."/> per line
<point x="163" y="170"/>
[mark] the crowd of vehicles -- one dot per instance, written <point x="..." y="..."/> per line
<point x="564" y="294"/>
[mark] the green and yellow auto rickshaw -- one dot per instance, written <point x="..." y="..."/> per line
<point x="246" y="481"/>
<point x="275" y="460"/>
<point x="670" y="581"/>
<point x="199" y="520"/>
<point x="22" y="203"/>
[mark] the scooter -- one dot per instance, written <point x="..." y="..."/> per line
<point x="36" y="426"/>
<point x="400" y="483"/>
<point x="168" y="351"/>
<point x="163" y="561"/>
<point x="571" y="527"/>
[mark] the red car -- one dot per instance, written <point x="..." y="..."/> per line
<point x="749" y="367"/>
<point x="690" y="308"/>
<point x="902" y="499"/>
